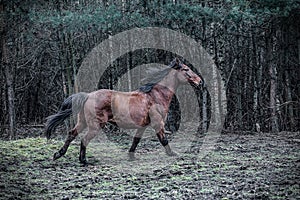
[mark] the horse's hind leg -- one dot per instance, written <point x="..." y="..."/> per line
<point x="71" y="136"/>
<point x="84" y="142"/>
<point x="94" y="127"/>
<point x="136" y="139"/>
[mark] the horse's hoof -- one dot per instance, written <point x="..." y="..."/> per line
<point x="83" y="162"/>
<point x="131" y="156"/>
<point x="56" y="156"/>
<point x="172" y="153"/>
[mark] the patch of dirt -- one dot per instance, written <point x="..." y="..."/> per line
<point x="239" y="166"/>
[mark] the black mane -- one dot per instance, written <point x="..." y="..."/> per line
<point x="155" y="78"/>
<point x="158" y="76"/>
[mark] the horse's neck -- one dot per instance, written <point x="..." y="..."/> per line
<point x="169" y="82"/>
<point x="164" y="90"/>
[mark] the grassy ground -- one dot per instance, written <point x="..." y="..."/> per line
<point x="252" y="166"/>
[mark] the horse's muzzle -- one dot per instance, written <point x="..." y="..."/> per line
<point x="197" y="82"/>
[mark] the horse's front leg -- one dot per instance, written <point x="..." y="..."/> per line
<point x="157" y="122"/>
<point x="165" y="143"/>
<point x="136" y="139"/>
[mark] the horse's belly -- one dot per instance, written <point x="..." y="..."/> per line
<point x="130" y="119"/>
<point x="128" y="125"/>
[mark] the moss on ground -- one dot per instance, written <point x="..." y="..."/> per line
<point x="256" y="166"/>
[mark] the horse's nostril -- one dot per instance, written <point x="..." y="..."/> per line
<point x="200" y="81"/>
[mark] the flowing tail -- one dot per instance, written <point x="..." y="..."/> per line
<point x="72" y="105"/>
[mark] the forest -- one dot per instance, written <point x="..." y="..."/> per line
<point x="255" y="46"/>
<point x="252" y="90"/>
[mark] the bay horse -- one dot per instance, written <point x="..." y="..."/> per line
<point x="147" y="106"/>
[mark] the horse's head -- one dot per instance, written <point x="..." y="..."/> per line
<point x="185" y="74"/>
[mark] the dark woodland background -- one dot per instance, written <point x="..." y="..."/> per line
<point x="254" y="44"/>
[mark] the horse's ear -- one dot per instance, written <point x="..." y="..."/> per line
<point x="176" y="63"/>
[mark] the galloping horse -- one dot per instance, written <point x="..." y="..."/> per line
<point x="147" y="106"/>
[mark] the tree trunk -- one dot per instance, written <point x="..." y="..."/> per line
<point x="204" y="110"/>
<point x="9" y="75"/>
<point x="238" y="87"/>
<point x="289" y="99"/>
<point x="273" y="85"/>
<point x="220" y="105"/>
<point x="274" y="118"/>
<point x="2" y="78"/>
<point x="11" y="96"/>
<point x="129" y="65"/>
<point x="259" y="122"/>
